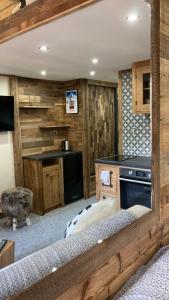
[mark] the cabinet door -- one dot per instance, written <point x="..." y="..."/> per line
<point x="51" y="191"/>
<point x="141" y="87"/>
<point x="113" y="189"/>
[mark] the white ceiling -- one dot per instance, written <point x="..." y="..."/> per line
<point x="100" y="30"/>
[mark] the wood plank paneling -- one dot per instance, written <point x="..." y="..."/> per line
<point x="51" y="186"/>
<point x="18" y="165"/>
<point x="137" y="243"/>
<point x="6" y="7"/>
<point x="80" y="276"/>
<point x="164" y="108"/>
<point x="101" y="123"/>
<point x="32" y="138"/>
<point x="130" y="248"/>
<point x="38" y="13"/>
<point x="44" y="93"/>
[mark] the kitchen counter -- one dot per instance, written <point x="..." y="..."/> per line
<point x="51" y="155"/>
<point x="141" y="162"/>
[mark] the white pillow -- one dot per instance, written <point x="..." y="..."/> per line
<point x="93" y="213"/>
<point x="138" y="210"/>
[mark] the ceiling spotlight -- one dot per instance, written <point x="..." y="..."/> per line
<point x="43" y="73"/>
<point x="132" y="18"/>
<point x="95" y="61"/>
<point x="44" y="48"/>
<point x="92" y="73"/>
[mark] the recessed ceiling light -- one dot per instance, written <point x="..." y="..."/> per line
<point x="92" y="73"/>
<point x="95" y="61"/>
<point x="43" y="73"/>
<point x="132" y="18"/>
<point x="44" y="48"/>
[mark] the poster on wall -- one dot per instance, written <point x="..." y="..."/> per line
<point x="71" y="102"/>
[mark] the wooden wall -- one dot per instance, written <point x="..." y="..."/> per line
<point x="6" y="7"/>
<point x="49" y="99"/>
<point x="100" y="125"/>
<point x="100" y="272"/>
<point x="76" y="132"/>
<point x="90" y="275"/>
<point x="42" y="103"/>
<point x="38" y="13"/>
<point x="32" y="92"/>
<point x="164" y="111"/>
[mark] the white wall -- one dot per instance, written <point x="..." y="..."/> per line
<point x="7" y="179"/>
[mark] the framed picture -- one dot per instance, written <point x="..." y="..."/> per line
<point x="71" y="102"/>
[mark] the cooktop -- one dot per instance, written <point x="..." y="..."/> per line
<point x="118" y="158"/>
<point x="127" y="161"/>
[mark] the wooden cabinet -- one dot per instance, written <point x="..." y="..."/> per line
<point x="7" y="254"/>
<point x="51" y="193"/>
<point x="45" y="179"/>
<point x="111" y="190"/>
<point x="141" y="84"/>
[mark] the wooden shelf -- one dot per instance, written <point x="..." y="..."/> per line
<point x="36" y="106"/>
<point x="54" y="126"/>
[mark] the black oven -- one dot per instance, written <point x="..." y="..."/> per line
<point x="135" y="187"/>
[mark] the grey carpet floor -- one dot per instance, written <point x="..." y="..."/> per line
<point x="44" y="231"/>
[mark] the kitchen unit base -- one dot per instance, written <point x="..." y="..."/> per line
<point x="113" y="189"/>
<point x="45" y="179"/>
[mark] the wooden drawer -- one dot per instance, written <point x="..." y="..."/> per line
<point x="105" y="195"/>
<point x="113" y="189"/>
<point x="113" y="169"/>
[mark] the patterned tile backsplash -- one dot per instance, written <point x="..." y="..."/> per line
<point x="136" y="127"/>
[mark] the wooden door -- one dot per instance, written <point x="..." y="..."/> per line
<point x="51" y="191"/>
<point x="101" y="123"/>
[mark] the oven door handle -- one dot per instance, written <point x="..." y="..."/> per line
<point x="135" y="181"/>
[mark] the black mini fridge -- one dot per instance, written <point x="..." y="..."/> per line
<point x="73" y="177"/>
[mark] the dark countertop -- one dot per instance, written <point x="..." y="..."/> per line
<point x="51" y="155"/>
<point x="141" y="162"/>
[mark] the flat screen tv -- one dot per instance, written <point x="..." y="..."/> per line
<point x="6" y="113"/>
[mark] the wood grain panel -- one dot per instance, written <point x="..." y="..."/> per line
<point x="93" y="264"/>
<point x="7" y="254"/>
<point x="51" y="186"/>
<point x="164" y="108"/>
<point x="140" y="240"/>
<point x="6" y="7"/>
<point x="33" y="139"/>
<point x="33" y="179"/>
<point x="48" y="93"/>
<point x="101" y="122"/>
<point x="133" y="245"/>
<point x="38" y="13"/>
<point x="18" y="165"/>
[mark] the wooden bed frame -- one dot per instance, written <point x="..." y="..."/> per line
<point x="101" y="271"/>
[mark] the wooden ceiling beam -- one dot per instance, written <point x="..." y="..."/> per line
<point x="38" y="13"/>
